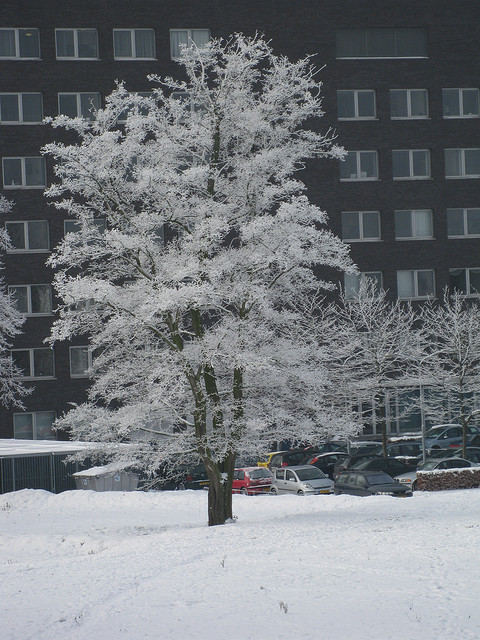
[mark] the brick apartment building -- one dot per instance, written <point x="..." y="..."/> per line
<point x="401" y="88"/>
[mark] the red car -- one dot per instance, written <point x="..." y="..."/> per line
<point x="252" y="480"/>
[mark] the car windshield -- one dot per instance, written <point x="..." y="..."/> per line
<point x="429" y="464"/>
<point x="380" y="478"/>
<point x="256" y="474"/>
<point x="310" y="474"/>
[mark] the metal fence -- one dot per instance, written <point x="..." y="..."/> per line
<point x="49" y="471"/>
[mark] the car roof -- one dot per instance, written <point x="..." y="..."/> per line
<point x="249" y="468"/>
<point x="365" y="472"/>
<point x="296" y="467"/>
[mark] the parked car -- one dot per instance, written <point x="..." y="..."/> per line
<point x="300" y="480"/>
<point x="472" y="454"/>
<point x="284" y="458"/>
<point x="392" y="466"/>
<point x="326" y="461"/>
<point x="403" y="450"/>
<point x="432" y="464"/>
<point x="367" y="483"/>
<point x="252" y="480"/>
<point x="346" y="463"/>
<point x="443" y="435"/>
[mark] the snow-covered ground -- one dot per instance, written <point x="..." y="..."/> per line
<point x="104" y="566"/>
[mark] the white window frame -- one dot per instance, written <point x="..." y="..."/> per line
<point x="416" y="273"/>
<point x="464" y="211"/>
<point x="35" y="415"/>
<point x="26" y="235"/>
<point x="350" y="293"/>
<point x="20" y="107"/>
<point x="463" y="173"/>
<point x="17" y="55"/>
<point x="132" y="39"/>
<point x="28" y="288"/>
<point x="31" y="373"/>
<point x="23" y="173"/>
<point x="460" y="102"/>
<point x="356" y="93"/>
<point x="89" y="358"/>
<point x="467" y="270"/>
<point x="411" y="175"/>
<point x="409" y="115"/>
<point x="75" y="45"/>
<point x="358" y="177"/>
<point x="413" y="214"/>
<point x="362" y="237"/>
<point x="190" y="38"/>
<point x="78" y="99"/>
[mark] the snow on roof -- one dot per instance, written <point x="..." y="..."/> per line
<point x="11" y="447"/>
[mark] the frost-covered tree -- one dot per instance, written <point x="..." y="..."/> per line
<point x="11" y="321"/>
<point x="451" y="362"/>
<point x="378" y="349"/>
<point x="195" y="266"/>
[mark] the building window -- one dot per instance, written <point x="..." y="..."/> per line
<point x="352" y="282"/>
<point x="23" y="173"/>
<point x="462" y="223"/>
<point x="186" y="37"/>
<point x="74" y="226"/>
<point x="466" y="281"/>
<point x="359" y="165"/>
<point x="408" y="103"/>
<point x="413" y="224"/>
<point x="31" y="235"/>
<point x="416" y="283"/>
<point x="462" y="163"/>
<point x="32" y="299"/>
<point x="81" y="44"/>
<point x="134" y="44"/>
<point x="356" y="104"/>
<point x="19" y="43"/>
<point x="76" y="105"/>
<point x="21" y="108"/>
<point x="34" y="426"/>
<point x="381" y="43"/>
<point x="411" y="164"/>
<point x="80" y="361"/>
<point x="461" y="103"/>
<point x="360" y="225"/>
<point x="34" y="363"/>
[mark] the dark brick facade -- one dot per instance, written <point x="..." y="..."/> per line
<point x="295" y="29"/>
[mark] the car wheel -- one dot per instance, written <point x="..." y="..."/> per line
<point x="244" y="491"/>
<point x="337" y="492"/>
<point x="274" y="491"/>
<point x="414" y="485"/>
<point x="181" y="487"/>
<point x="300" y="493"/>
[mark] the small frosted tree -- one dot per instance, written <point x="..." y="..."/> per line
<point x="378" y="349"/>
<point x="11" y="321"/>
<point x="451" y="361"/>
<point x="204" y="341"/>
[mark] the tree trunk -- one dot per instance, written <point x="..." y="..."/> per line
<point x="220" y="477"/>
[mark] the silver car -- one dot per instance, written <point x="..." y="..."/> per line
<point x="301" y="480"/>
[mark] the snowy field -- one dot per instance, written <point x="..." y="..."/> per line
<point x="104" y="566"/>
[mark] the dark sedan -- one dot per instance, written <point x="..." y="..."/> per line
<point x="369" y="483"/>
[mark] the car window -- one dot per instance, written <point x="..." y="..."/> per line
<point x="380" y="478"/>
<point x="260" y="473"/>
<point x="361" y="481"/>
<point x="290" y="477"/>
<point x="241" y="475"/>
<point x="280" y="474"/>
<point x="310" y="473"/>
<point x="352" y="479"/>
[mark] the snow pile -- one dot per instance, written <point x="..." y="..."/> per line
<point x="144" y="566"/>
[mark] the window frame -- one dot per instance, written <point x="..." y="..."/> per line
<point x="468" y="286"/>
<point x="465" y="233"/>
<point x="26" y="235"/>
<point x="34" y="415"/>
<point x="189" y="38"/>
<point x="361" y="277"/>
<point x="359" y="177"/>
<point x="75" y="32"/>
<point x="463" y="175"/>
<point x="89" y="358"/>
<point x="416" y="295"/>
<point x="133" y="44"/>
<point x="78" y="99"/>
<point x="363" y="31"/>
<point x="31" y="373"/>
<point x="19" y="96"/>
<point x="413" y="213"/>
<point x="23" y="172"/>
<point x="356" y="93"/>
<point x="409" y="115"/>
<point x="361" y="226"/>
<point x="17" y="55"/>
<point x="411" y="175"/>
<point x="28" y="287"/>
<point x="461" y="115"/>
